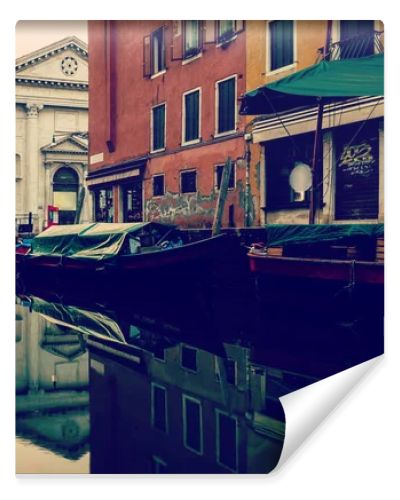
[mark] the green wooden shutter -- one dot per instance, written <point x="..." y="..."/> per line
<point x="226" y="106"/>
<point x="192" y="116"/>
<point x="281" y="40"/>
<point x="159" y="127"/>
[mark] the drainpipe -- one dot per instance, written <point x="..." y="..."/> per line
<point x="247" y="193"/>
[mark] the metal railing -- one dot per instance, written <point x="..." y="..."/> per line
<point x="357" y="46"/>
<point x="26" y="223"/>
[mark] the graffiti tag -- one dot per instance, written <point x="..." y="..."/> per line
<point x="357" y="160"/>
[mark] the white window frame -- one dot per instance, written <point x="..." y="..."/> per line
<point x="185" y="398"/>
<point x="180" y="180"/>
<point x="187" y="60"/>
<point x="235" y="383"/>
<point x="185" y="367"/>
<point x="152" y="128"/>
<point x="217" y="440"/>
<point x="216" y="110"/>
<point x="153" y="385"/>
<point x="162" y="71"/>
<point x="194" y="141"/>
<point x="288" y="67"/>
<point x="216" y="176"/>
<point x="152" y="186"/>
<point x="217" y="35"/>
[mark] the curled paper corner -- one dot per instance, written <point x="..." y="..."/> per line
<point x="308" y="407"/>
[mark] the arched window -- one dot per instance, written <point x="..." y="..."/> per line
<point x="65" y="193"/>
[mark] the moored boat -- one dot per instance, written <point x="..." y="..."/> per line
<point x="349" y="253"/>
<point x="115" y="249"/>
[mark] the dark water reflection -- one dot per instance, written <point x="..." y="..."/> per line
<point x="125" y="387"/>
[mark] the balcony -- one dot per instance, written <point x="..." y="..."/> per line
<point x="357" y="46"/>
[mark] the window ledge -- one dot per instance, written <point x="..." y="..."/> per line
<point x="227" y="41"/>
<point x="190" y="143"/>
<point x="188" y="192"/>
<point x="158" y="74"/>
<point x="192" y="58"/>
<point x="157" y="150"/>
<point x="288" y="206"/>
<point x="229" y="189"/>
<point x="223" y="134"/>
<point x="282" y="69"/>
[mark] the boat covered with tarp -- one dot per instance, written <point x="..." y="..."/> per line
<point x="338" y="252"/>
<point x="116" y="246"/>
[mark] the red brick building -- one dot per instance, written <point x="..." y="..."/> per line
<point x="164" y="100"/>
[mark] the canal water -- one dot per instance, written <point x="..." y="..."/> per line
<point x="111" y="385"/>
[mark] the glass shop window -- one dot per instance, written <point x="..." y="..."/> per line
<point x="104" y="206"/>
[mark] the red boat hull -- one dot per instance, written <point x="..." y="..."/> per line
<point x="333" y="270"/>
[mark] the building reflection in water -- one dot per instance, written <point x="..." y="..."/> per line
<point x="51" y="384"/>
<point x="165" y="396"/>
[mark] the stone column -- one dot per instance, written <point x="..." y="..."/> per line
<point x="32" y="158"/>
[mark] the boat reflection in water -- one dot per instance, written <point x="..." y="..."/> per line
<point x="171" y="391"/>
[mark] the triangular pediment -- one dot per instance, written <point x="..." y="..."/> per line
<point x="64" y="61"/>
<point x="69" y="144"/>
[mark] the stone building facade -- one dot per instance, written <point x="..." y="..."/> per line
<point x="51" y="135"/>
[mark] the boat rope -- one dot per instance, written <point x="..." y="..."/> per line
<point x="352" y="280"/>
<point x="282" y="123"/>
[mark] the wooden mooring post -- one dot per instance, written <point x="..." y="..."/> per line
<point x="223" y="191"/>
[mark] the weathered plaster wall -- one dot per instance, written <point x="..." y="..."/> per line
<point x="135" y="96"/>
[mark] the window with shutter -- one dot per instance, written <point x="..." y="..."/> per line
<point x="226" y="30"/>
<point x="147" y="56"/>
<point x="191" y="114"/>
<point x="188" y="181"/>
<point x="281" y="38"/>
<point x="189" y="358"/>
<point x="356" y="39"/>
<point x="159" y="407"/>
<point x="218" y="177"/>
<point x="226" y="111"/>
<point x="158" y="128"/>
<point x="227" y="440"/>
<point x="192" y="424"/>
<point x="157" y="51"/>
<point x="159" y="185"/>
<point x="191" y="38"/>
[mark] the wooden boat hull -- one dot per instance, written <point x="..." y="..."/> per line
<point x="190" y="253"/>
<point x="186" y="263"/>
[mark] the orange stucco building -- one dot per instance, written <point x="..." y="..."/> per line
<point x="164" y="118"/>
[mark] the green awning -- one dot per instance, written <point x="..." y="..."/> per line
<point x="330" y="80"/>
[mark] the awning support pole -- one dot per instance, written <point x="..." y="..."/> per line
<point x="315" y="186"/>
<point x="315" y="163"/>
